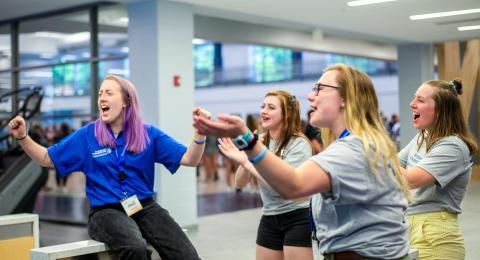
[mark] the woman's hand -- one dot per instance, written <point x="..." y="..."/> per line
<point x="198" y="111"/>
<point x="227" y="147"/>
<point x="18" y="127"/>
<point x="226" y="126"/>
<point x="202" y="113"/>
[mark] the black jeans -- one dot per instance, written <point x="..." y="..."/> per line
<point x="126" y="235"/>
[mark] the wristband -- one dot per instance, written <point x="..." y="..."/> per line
<point x="259" y="157"/>
<point x="20" y="139"/>
<point x="199" y="141"/>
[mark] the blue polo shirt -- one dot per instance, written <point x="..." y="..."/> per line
<point x="81" y="152"/>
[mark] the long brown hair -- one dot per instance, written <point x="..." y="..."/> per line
<point x="449" y="118"/>
<point x="291" y="124"/>
<point x="362" y="119"/>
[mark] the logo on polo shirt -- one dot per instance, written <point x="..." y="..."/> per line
<point x="101" y="152"/>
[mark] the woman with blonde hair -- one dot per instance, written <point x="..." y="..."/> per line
<point x="284" y="231"/>
<point x="358" y="195"/>
<point x="438" y="162"/>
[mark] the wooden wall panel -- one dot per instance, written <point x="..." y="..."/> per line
<point x="468" y="74"/>
<point x="448" y="55"/>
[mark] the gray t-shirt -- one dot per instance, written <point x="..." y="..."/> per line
<point x="363" y="212"/>
<point x="449" y="162"/>
<point x="297" y="151"/>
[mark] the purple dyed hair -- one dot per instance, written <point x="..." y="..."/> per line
<point x="133" y="129"/>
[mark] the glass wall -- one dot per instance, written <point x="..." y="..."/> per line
<point x="5" y="88"/>
<point x="238" y="64"/>
<point x="204" y="62"/>
<point x="55" y="54"/>
<point x="112" y="31"/>
<point x="53" y="40"/>
<point x="5" y="50"/>
<point x="117" y="67"/>
<point x="271" y="64"/>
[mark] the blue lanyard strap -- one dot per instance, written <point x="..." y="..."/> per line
<point x="121" y="171"/>
<point x="344" y="134"/>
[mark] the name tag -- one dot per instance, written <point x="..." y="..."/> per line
<point x="131" y="205"/>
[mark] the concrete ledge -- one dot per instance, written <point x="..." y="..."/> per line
<point x="72" y="250"/>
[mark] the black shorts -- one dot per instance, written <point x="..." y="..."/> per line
<point x="287" y="229"/>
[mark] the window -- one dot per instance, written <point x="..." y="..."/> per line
<point x="271" y="64"/>
<point x="204" y="55"/>
<point x="53" y="40"/>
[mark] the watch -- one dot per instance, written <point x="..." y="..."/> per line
<point x="246" y="141"/>
<point x="242" y="141"/>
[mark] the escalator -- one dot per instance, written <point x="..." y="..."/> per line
<point x="20" y="178"/>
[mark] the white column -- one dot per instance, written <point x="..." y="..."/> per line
<point x="160" y="42"/>
<point x="415" y="66"/>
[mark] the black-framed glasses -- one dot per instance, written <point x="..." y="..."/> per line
<point x="320" y="86"/>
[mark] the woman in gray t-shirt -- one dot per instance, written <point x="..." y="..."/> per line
<point x="284" y="231"/>
<point x="359" y="204"/>
<point x="438" y="166"/>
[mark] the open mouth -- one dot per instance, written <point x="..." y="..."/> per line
<point x="104" y="108"/>
<point x="416" y="116"/>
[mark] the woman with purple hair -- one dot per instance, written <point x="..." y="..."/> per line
<point x="117" y="154"/>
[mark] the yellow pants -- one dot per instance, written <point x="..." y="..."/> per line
<point x="436" y="235"/>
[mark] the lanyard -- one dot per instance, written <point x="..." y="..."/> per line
<point x="313" y="227"/>
<point x="121" y="170"/>
<point x="344" y="134"/>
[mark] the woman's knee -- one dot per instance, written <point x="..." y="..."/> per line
<point x="134" y="251"/>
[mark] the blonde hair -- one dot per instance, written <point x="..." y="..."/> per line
<point x="362" y="120"/>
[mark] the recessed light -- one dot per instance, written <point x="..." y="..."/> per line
<point x="469" y="28"/>
<point x="443" y="14"/>
<point x="367" y="2"/>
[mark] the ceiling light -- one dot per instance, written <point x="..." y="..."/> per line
<point x="443" y="14"/>
<point x="367" y="2"/>
<point x="469" y="28"/>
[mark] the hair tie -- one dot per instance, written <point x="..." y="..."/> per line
<point x="453" y="86"/>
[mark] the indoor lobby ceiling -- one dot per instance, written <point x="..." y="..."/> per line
<point x="383" y="22"/>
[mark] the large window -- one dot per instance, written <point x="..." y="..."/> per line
<point x="5" y="50"/>
<point x="117" y="67"/>
<point x="204" y="57"/>
<point x="5" y="87"/>
<point x="70" y="80"/>
<point x="271" y="64"/>
<point x="112" y="31"/>
<point x="55" y="53"/>
<point x="52" y="40"/>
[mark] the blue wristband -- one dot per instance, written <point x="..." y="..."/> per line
<point x="201" y="141"/>
<point x="259" y="157"/>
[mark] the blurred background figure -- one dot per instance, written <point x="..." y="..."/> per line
<point x="209" y="160"/>
<point x="313" y="134"/>
<point x="61" y="133"/>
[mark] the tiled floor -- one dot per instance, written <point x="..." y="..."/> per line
<point x="232" y="235"/>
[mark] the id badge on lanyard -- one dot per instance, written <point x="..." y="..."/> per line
<point x="130" y="204"/>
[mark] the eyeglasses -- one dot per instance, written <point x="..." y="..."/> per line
<point x="320" y="86"/>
